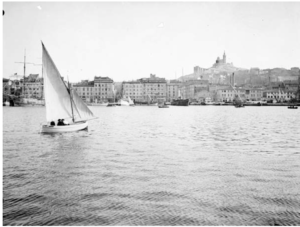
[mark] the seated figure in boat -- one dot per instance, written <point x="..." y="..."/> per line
<point x="65" y="122"/>
<point x="52" y="123"/>
<point x="60" y="122"/>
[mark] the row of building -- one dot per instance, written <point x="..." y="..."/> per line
<point x="32" y="88"/>
<point x="156" y="88"/>
<point x="203" y="84"/>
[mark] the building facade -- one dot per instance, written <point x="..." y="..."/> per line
<point x="190" y="89"/>
<point x="33" y="86"/>
<point x="278" y="95"/>
<point x="153" y="88"/>
<point x="229" y="94"/>
<point x="134" y="90"/>
<point x="99" y="90"/>
<point x="172" y="90"/>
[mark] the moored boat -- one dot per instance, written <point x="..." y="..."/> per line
<point x="180" y="102"/>
<point x="239" y="105"/>
<point x="111" y="105"/>
<point x="97" y="104"/>
<point x="123" y="102"/>
<point x="163" y="106"/>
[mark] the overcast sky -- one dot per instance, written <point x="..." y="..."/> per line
<point x="128" y="41"/>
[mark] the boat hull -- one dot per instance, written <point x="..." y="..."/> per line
<point x="97" y="104"/>
<point x="64" y="128"/>
<point x="180" y="102"/>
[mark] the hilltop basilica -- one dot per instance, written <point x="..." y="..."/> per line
<point x="220" y="62"/>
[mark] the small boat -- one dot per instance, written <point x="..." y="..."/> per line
<point x="163" y="106"/>
<point x="123" y="102"/>
<point x="209" y="103"/>
<point x="292" y="107"/>
<point x="62" y="102"/>
<point x="239" y="105"/>
<point x="111" y="105"/>
<point x="97" y="104"/>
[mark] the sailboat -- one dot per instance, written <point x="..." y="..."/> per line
<point x="123" y="102"/>
<point x="61" y="101"/>
<point x="131" y="103"/>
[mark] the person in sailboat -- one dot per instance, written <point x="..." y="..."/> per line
<point x="65" y="122"/>
<point x="52" y="123"/>
<point x="60" y="122"/>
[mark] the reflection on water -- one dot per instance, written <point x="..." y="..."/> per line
<point x="201" y="165"/>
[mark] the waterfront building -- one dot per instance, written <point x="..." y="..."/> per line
<point x="141" y="89"/>
<point x="32" y="89"/>
<point x="6" y="86"/>
<point x="191" y="88"/>
<point x="278" y="95"/>
<point x="291" y="85"/>
<point x="99" y="90"/>
<point x="172" y="90"/>
<point x="253" y="94"/>
<point x="228" y="94"/>
<point x="133" y="89"/>
<point x="33" y="86"/>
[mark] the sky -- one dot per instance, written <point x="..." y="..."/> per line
<point x="131" y="40"/>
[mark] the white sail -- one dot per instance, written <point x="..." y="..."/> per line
<point x="179" y="95"/>
<point x="80" y="109"/>
<point x="130" y="101"/>
<point x="57" y="95"/>
<point x="57" y="98"/>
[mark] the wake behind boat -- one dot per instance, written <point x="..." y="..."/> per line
<point x="62" y="102"/>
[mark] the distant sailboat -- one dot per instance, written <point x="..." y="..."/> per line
<point x="123" y="102"/>
<point x="131" y="103"/>
<point x="61" y="101"/>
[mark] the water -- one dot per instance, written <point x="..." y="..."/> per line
<point x="196" y="165"/>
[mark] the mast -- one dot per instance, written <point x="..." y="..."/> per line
<point x="71" y="100"/>
<point x="24" y="73"/>
<point x="42" y="82"/>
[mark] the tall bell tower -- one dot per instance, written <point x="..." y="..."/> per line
<point x="224" y="57"/>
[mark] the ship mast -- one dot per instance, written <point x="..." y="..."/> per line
<point x="71" y="99"/>
<point x="23" y="92"/>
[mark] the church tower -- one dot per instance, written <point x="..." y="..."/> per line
<point x="224" y="57"/>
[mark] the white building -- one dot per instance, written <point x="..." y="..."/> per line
<point x="153" y="87"/>
<point x="99" y="90"/>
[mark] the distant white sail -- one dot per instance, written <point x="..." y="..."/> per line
<point x="179" y="95"/>
<point x="57" y="98"/>
<point x="80" y="109"/>
<point x="130" y="101"/>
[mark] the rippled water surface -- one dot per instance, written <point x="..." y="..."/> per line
<point x="196" y="165"/>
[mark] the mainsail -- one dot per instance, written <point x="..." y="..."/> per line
<point x="57" y="95"/>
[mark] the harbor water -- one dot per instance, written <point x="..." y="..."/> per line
<point x="196" y="165"/>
